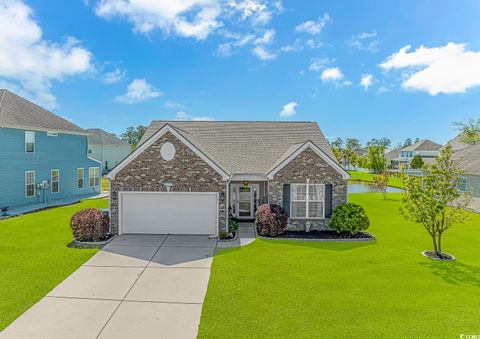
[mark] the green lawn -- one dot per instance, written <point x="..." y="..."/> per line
<point x="105" y="184"/>
<point x="34" y="257"/>
<point x="357" y="176"/>
<point x="337" y="290"/>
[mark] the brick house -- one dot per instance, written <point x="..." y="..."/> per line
<point x="190" y="177"/>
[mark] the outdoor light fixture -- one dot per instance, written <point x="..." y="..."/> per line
<point x="222" y="196"/>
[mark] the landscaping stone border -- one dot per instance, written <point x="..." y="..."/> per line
<point x="90" y="244"/>
<point x="319" y="240"/>
<point x="452" y="258"/>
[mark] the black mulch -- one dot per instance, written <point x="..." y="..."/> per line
<point x="321" y="235"/>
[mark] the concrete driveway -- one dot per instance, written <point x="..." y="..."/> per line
<point x="138" y="286"/>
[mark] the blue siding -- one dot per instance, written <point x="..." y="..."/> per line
<point x="64" y="152"/>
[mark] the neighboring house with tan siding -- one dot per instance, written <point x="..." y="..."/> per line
<point x="190" y="177"/>
<point x="107" y="148"/>
<point x="469" y="158"/>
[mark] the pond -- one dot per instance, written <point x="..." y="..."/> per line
<point x="366" y="188"/>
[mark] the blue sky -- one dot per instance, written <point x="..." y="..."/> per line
<point x="117" y="63"/>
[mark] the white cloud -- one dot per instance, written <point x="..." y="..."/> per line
<point x="313" y="27"/>
<point x="182" y="116"/>
<point x="365" y="41"/>
<point x="29" y="63"/>
<point x="331" y="74"/>
<point x="261" y="53"/>
<point x="114" y="76"/>
<point x="289" y="110"/>
<point x="191" y="18"/>
<point x="446" y="69"/>
<point x="366" y="81"/>
<point x="318" y="64"/>
<point x="172" y="104"/>
<point x="137" y="91"/>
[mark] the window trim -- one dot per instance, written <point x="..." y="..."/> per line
<point x="58" y="181"/>
<point x="307" y="200"/>
<point x="34" y="186"/>
<point x="83" y="178"/>
<point x="94" y="176"/>
<point x="34" y="142"/>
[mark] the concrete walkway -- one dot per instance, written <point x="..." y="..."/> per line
<point x="138" y="286"/>
<point x="246" y="235"/>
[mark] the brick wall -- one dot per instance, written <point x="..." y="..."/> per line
<point x="149" y="171"/>
<point x="308" y="165"/>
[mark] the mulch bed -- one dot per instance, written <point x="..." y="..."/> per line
<point x="434" y="256"/>
<point x="322" y="235"/>
<point x="91" y="244"/>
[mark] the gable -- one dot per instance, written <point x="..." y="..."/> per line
<point x="311" y="156"/>
<point x="149" y="153"/>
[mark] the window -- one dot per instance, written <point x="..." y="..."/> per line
<point x="307" y="201"/>
<point x="79" y="177"/>
<point x="30" y="184"/>
<point x="462" y="184"/>
<point x="29" y="142"/>
<point x="55" y="178"/>
<point x="94" y="176"/>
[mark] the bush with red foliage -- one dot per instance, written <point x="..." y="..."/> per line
<point x="90" y="225"/>
<point x="271" y="220"/>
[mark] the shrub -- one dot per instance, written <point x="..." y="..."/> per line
<point x="271" y="220"/>
<point x="90" y="225"/>
<point x="349" y="218"/>
<point x="232" y="226"/>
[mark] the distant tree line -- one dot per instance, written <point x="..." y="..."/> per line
<point x="133" y="135"/>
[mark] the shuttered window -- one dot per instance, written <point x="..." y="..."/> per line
<point x="307" y="201"/>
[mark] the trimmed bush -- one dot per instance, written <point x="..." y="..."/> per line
<point x="349" y="219"/>
<point x="271" y="220"/>
<point x="90" y="225"/>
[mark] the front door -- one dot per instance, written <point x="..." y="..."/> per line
<point x="245" y="202"/>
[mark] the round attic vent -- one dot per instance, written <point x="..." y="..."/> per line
<point x="167" y="151"/>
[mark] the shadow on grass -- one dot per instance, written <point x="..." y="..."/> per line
<point x="455" y="273"/>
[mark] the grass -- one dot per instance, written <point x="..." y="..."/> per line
<point x="104" y="184"/>
<point x="34" y="257"/>
<point x="357" y="176"/>
<point x="335" y="290"/>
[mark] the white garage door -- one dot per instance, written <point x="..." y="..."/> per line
<point x="168" y="212"/>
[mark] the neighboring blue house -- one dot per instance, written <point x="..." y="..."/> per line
<point x="43" y="157"/>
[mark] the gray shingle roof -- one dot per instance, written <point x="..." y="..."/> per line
<point x="246" y="147"/>
<point x="17" y="112"/>
<point x="98" y="136"/>
<point x="423" y="145"/>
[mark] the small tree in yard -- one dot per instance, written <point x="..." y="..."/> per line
<point x="435" y="202"/>
<point x="417" y="162"/>
<point x="381" y="182"/>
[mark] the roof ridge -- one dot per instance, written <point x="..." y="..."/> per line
<point x="236" y="121"/>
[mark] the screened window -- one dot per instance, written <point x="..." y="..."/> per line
<point x="29" y="142"/>
<point x="80" y="177"/>
<point x="55" y="181"/>
<point x="307" y="201"/>
<point x="30" y="184"/>
<point x="462" y="184"/>
<point x="94" y="176"/>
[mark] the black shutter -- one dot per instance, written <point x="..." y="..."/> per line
<point x="328" y="200"/>
<point x="286" y="198"/>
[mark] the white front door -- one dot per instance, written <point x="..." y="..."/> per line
<point x="168" y="212"/>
